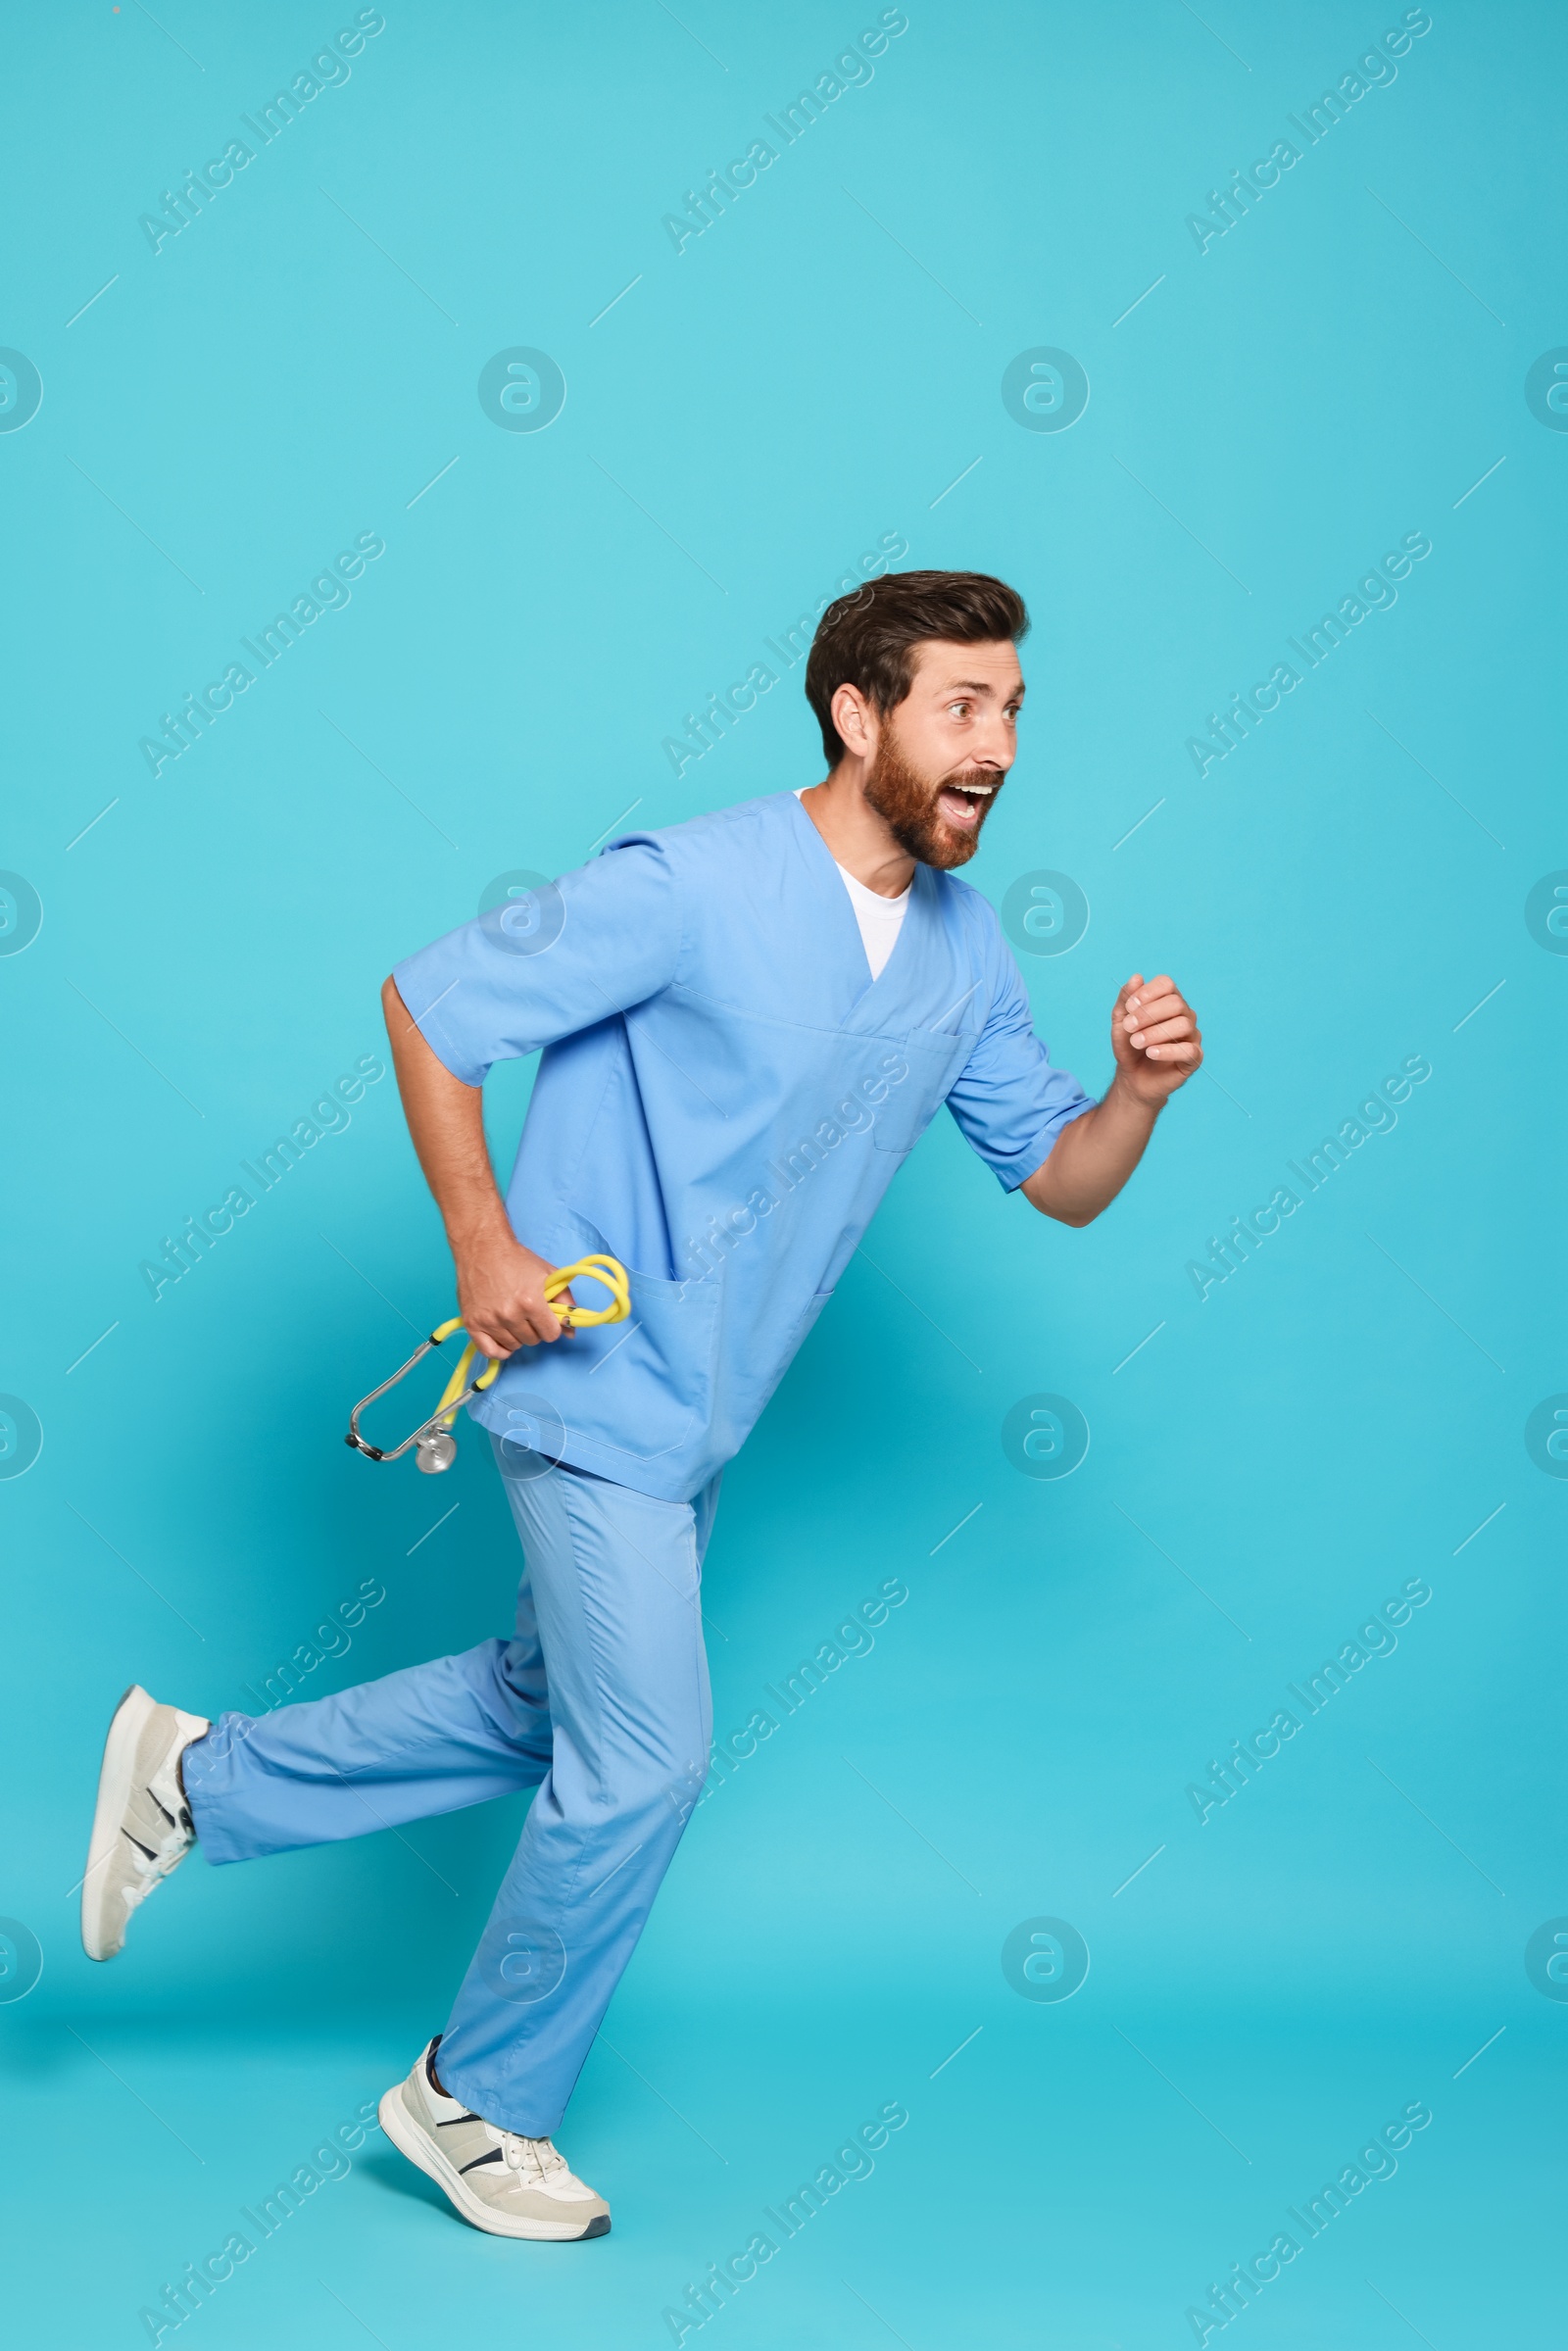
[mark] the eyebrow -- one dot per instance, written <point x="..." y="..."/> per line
<point x="976" y="685"/>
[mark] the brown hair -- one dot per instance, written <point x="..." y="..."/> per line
<point x="867" y="638"/>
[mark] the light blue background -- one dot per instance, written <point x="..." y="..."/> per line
<point x="1337" y="895"/>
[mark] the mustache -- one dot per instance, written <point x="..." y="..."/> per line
<point x="909" y="804"/>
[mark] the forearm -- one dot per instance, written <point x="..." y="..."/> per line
<point x="446" y="1122"/>
<point x="501" y="1293"/>
<point x="1091" y="1159"/>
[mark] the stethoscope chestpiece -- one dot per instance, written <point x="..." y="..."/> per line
<point x="434" y="1450"/>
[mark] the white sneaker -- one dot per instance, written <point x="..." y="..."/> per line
<point x="143" y="1828"/>
<point x="510" y="2186"/>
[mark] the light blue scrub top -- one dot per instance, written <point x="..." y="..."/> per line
<point x="723" y="1098"/>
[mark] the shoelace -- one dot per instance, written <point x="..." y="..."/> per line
<point x="531" y="2158"/>
<point x="153" y="1867"/>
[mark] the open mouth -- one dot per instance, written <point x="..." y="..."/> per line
<point x="964" y="804"/>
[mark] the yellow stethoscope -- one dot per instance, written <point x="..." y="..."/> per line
<point x="435" y="1447"/>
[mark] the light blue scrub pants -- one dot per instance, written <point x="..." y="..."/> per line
<point x="600" y="1703"/>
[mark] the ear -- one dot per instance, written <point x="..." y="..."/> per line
<point x="855" y="720"/>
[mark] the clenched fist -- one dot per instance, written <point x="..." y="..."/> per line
<point x="1156" y="1039"/>
<point x="500" y="1293"/>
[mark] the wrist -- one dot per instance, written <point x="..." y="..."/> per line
<point x="1125" y="1093"/>
<point x="477" y="1226"/>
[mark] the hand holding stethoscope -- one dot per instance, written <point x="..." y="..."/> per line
<point x="435" y="1447"/>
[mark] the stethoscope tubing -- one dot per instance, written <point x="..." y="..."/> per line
<point x="606" y="1270"/>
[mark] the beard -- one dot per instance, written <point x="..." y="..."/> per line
<point x="908" y="803"/>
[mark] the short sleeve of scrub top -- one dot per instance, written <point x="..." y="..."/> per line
<point x="1009" y="1103"/>
<point x="525" y="976"/>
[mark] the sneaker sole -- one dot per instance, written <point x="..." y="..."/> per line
<point x="410" y="2142"/>
<point x="129" y="1720"/>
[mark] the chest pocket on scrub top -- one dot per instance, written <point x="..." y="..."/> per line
<point x="932" y="1062"/>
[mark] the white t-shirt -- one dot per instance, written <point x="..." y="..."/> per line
<point x="880" y="918"/>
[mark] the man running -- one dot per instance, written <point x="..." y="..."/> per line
<point x="746" y="1022"/>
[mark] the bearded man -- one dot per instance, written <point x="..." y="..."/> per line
<point x="746" y="1022"/>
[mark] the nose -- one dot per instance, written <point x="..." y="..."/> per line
<point x="996" y="745"/>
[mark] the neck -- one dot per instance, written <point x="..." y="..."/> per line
<point x="857" y="837"/>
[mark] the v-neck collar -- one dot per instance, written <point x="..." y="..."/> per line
<point x="915" y="915"/>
